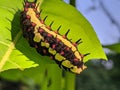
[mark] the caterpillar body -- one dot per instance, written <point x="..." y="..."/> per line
<point x="49" y="42"/>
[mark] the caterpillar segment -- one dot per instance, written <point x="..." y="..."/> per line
<point x="49" y="42"/>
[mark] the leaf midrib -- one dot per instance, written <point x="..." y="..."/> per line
<point x="9" y="51"/>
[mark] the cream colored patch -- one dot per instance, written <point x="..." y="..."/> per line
<point x="34" y="19"/>
<point x="45" y="44"/>
<point x="37" y="37"/>
<point x="73" y="68"/>
<point x="77" y="54"/>
<point x="59" y="57"/>
<point x="77" y="70"/>
<point x="67" y="64"/>
<point x="53" y="52"/>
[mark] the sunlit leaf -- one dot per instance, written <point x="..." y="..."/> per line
<point x="67" y="16"/>
<point x="15" y="50"/>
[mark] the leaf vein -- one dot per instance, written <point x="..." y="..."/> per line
<point x="9" y="51"/>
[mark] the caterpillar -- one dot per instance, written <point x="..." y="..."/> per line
<point x="50" y="42"/>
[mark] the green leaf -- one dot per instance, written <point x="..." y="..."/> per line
<point x="10" y="35"/>
<point x="113" y="47"/>
<point x="67" y="16"/>
<point x="15" y="51"/>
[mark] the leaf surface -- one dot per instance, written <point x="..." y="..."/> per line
<point x="15" y="51"/>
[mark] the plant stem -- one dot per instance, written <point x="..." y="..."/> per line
<point x="69" y="81"/>
<point x="54" y="78"/>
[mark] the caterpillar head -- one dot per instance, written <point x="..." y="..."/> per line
<point x="29" y="4"/>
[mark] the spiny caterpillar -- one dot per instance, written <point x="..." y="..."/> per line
<point x="48" y="42"/>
